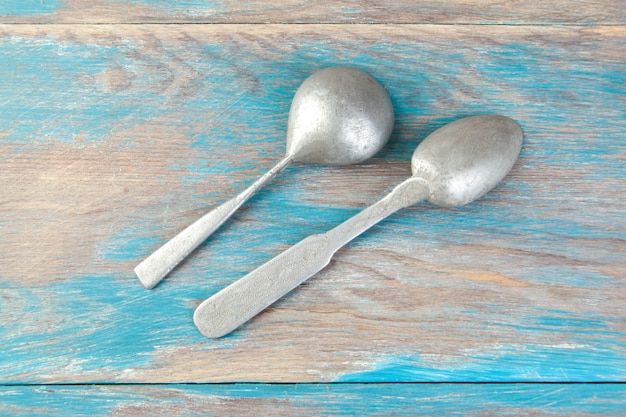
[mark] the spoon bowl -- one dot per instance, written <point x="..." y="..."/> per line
<point x="465" y="159"/>
<point x="338" y="116"/>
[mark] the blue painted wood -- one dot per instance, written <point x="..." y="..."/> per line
<point x="316" y="400"/>
<point x="112" y="138"/>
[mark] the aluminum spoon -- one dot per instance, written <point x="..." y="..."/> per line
<point x="453" y="166"/>
<point x="338" y="116"/>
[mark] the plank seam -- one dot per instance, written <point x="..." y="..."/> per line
<point x="165" y="384"/>
<point x="165" y="23"/>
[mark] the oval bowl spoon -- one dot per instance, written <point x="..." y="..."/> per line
<point x="455" y="165"/>
<point x="338" y="116"/>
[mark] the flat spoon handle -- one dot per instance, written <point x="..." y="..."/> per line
<point x="156" y="266"/>
<point x="239" y="302"/>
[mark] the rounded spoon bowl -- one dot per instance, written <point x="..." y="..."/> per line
<point x="338" y="116"/>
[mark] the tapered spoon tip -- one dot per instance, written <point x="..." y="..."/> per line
<point x="467" y="158"/>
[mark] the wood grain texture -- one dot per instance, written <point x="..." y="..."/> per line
<point x="510" y="12"/>
<point x="316" y="400"/>
<point x="114" y="137"/>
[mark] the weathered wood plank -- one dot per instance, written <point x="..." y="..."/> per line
<point x="316" y="400"/>
<point x="112" y="138"/>
<point x="577" y="12"/>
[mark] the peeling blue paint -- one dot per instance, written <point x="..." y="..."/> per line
<point x="188" y="8"/>
<point x="17" y="8"/>
<point x="578" y="361"/>
<point x="22" y="8"/>
<point x="54" y="92"/>
<point x="319" y="399"/>
<point x="83" y="334"/>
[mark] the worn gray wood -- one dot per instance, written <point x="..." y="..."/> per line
<point x="482" y="12"/>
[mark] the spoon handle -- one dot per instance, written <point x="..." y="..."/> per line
<point x="245" y="298"/>
<point x="156" y="266"/>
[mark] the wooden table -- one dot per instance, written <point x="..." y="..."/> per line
<point x="122" y="122"/>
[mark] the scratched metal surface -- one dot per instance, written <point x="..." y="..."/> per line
<point x="115" y="137"/>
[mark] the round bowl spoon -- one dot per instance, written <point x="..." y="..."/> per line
<point x="338" y="116"/>
<point x="453" y="166"/>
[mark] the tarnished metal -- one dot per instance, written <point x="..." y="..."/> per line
<point x="453" y="166"/>
<point x="338" y="116"/>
